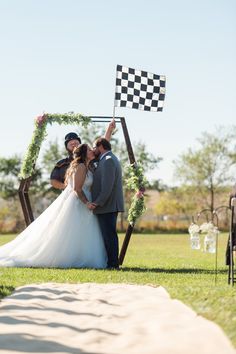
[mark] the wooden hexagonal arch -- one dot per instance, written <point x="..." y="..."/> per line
<point x="28" y="165"/>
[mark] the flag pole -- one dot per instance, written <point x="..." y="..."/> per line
<point x="114" y="108"/>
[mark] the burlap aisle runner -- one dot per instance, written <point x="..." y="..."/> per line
<point x="104" y="318"/>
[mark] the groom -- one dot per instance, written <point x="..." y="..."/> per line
<point x="107" y="197"/>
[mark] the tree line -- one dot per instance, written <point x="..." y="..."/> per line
<point x="205" y="174"/>
<point x="41" y="192"/>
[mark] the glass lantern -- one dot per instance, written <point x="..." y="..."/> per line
<point x="194" y="236"/>
<point x="210" y="242"/>
<point x="195" y="241"/>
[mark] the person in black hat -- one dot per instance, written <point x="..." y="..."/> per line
<point x="57" y="177"/>
<point x="72" y="140"/>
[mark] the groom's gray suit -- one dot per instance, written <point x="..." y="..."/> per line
<point x="107" y="193"/>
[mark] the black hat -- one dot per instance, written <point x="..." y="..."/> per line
<point x="71" y="136"/>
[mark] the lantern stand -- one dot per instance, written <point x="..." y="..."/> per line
<point x="214" y="214"/>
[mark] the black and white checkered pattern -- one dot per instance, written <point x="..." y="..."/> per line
<point x="139" y="89"/>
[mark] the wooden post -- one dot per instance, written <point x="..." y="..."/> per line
<point x="125" y="244"/>
<point x="130" y="228"/>
<point x="127" y="141"/>
<point x="23" y="192"/>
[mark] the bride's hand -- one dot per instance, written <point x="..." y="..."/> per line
<point x="91" y="206"/>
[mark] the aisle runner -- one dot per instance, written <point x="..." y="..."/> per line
<point x="104" y="318"/>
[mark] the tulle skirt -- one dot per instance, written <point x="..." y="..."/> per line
<point x="65" y="235"/>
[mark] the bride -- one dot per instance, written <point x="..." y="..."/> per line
<point x="66" y="234"/>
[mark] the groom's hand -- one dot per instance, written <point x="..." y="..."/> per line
<point x="110" y="129"/>
<point x="91" y="206"/>
<point x="112" y="124"/>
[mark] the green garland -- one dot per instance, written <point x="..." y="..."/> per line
<point x="39" y="134"/>
<point x="136" y="182"/>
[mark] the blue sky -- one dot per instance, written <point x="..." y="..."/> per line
<point x="61" y="55"/>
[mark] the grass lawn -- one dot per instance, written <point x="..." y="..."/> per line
<point x="165" y="260"/>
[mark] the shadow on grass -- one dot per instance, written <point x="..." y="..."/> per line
<point x="5" y="290"/>
<point x="173" y="270"/>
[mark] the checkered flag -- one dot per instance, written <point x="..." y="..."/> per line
<point x="139" y="89"/>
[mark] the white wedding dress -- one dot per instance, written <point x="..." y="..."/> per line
<point x="65" y="235"/>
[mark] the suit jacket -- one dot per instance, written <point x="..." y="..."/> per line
<point x="107" y="191"/>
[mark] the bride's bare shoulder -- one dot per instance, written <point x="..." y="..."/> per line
<point x="81" y="168"/>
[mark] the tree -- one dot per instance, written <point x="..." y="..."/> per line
<point x="51" y="154"/>
<point x="157" y="185"/>
<point x="145" y="158"/>
<point x="9" y="184"/>
<point x="41" y="192"/>
<point x="9" y="170"/>
<point x="39" y="186"/>
<point x="177" y="201"/>
<point x="209" y="166"/>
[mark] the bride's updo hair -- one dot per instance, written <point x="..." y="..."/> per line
<point x="79" y="156"/>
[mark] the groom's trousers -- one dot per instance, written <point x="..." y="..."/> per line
<point x="107" y="223"/>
